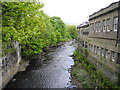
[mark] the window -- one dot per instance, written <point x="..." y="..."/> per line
<point x="118" y="58"/>
<point x="95" y="49"/>
<point x="113" y="56"/>
<point x="100" y="51"/>
<point x="104" y="26"/>
<point x="83" y="43"/>
<point x="115" y="23"/>
<point x="103" y="52"/>
<point x="92" y="27"/>
<point x="99" y="26"/>
<point x="85" y="32"/>
<point x="108" y="25"/>
<point x="106" y="53"/>
<point x="96" y="27"/>
<point x="91" y="47"/>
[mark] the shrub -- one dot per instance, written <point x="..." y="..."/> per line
<point x="97" y="76"/>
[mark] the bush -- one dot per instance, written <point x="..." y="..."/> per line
<point x="97" y="76"/>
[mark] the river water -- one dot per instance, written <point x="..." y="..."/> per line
<point x="53" y="73"/>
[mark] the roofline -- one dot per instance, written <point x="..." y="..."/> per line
<point x="83" y="26"/>
<point x="102" y="11"/>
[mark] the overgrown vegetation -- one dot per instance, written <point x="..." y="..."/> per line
<point x="26" y="23"/>
<point x="92" y="77"/>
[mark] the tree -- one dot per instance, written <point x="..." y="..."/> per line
<point x="72" y="29"/>
<point x="26" y="23"/>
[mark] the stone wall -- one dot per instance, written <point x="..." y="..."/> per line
<point x="10" y="63"/>
<point x="0" y="73"/>
<point x="103" y="40"/>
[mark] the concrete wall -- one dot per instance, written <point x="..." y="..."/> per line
<point x="10" y="63"/>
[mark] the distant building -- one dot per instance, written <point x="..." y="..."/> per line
<point x="83" y="33"/>
<point x="101" y="36"/>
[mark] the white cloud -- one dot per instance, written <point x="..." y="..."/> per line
<point x="74" y="11"/>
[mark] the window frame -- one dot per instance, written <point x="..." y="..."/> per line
<point x="115" y="23"/>
<point x="99" y="26"/>
<point x="113" y="56"/>
<point x="96" y="26"/>
<point x="104" y="26"/>
<point x="108" y="25"/>
<point x="106" y="53"/>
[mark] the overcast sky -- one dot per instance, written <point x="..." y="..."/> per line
<point x="74" y="11"/>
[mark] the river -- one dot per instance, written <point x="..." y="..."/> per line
<point x="53" y="73"/>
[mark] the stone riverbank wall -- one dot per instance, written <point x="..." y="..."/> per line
<point x="10" y="63"/>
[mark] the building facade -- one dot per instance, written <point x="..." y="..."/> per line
<point x="83" y="33"/>
<point x="103" y="38"/>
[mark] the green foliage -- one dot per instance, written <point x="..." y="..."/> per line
<point x="72" y="29"/>
<point x="26" y="23"/>
<point x="82" y="75"/>
<point x="22" y="22"/>
<point x="60" y="29"/>
<point x="98" y="79"/>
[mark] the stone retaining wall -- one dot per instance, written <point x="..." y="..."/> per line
<point x="10" y="63"/>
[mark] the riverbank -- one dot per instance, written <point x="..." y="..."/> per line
<point x="50" y="72"/>
<point x="25" y="63"/>
<point x="80" y="77"/>
<point x="88" y="75"/>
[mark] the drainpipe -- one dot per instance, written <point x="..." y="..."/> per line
<point x="78" y="37"/>
<point x="118" y="42"/>
<point x="118" y="34"/>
